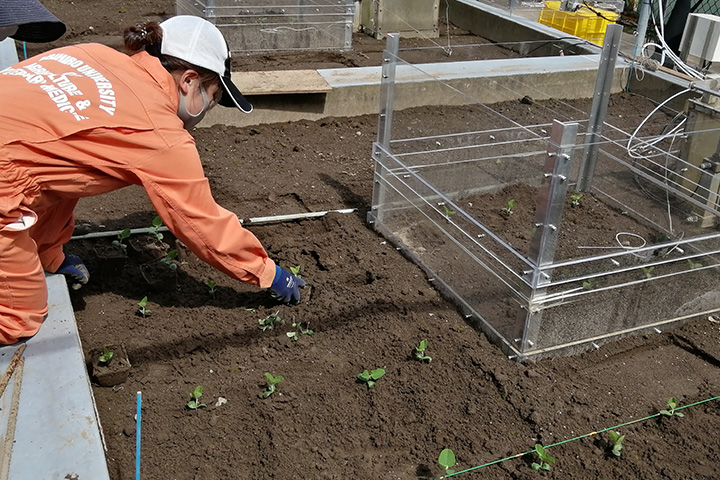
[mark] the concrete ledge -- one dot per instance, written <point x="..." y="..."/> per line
<point x="280" y="82"/>
<point x="57" y="433"/>
<point x="356" y="91"/>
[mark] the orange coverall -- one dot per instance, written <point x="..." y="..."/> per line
<point x="83" y="120"/>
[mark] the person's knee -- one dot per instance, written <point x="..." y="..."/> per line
<point x="14" y="326"/>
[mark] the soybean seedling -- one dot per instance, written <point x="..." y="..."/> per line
<point x="694" y="264"/>
<point x="211" y="286"/>
<point x="672" y="406"/>
<point x="616" y="442"/>
<point x="296" y="271"/>
<point x="143" y="310"/>
<point x="544" y="459"/>
<point x="509" y="208"/>
<point x="168" y="260"/>
<point x="370" y="377"/>
<point x="121" y="238"/>
<point x="299" y="330"/>
<point x="106" y="356"/>
<point x="575" y="199"/>
<point x="419" y="352"/>
<point x="447" y="212"/>
<point x="447" y="460"/>
<point x="156" y="224"/>
<point x="195" y="396"/>
<point x="648" y="272"/>
<point x="588" y="284"/>
<point x="271" y="382"/>
<point x="270" y="322"/>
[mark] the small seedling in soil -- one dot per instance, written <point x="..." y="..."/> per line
<point x="544" y="459"/>
<point x="296" y="271"/>
<point x="270" y="322"/>
<point x="575" y="199"/>
<point x="211" y="286"/>
<point x="168" y="259"/>
<point x="447" y="460"/>
<point x="121" y="237"/>
<point x="672" y="406"/>
<point x="143" y="310"/>
<point x="370" y="377"/>
<point x="648" y="272"/>
<point x="588" y="284"/>
<point x="195" y="396"/>
<point x="271" y="382"/>
<point x="616" y="442"/>
<point x="509" y="209"/>
<point x="299" y="330"/>
<point x="694" y="264"/>
<point x="419" y="352"/>
<point x="447" y="212"/>
<point x="106" y="356"/>
<point x="156" y="224"/>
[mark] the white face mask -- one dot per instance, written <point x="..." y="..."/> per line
<point x="190" y="120"/>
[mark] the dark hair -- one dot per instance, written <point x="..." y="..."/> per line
<point x="148" y="37"/>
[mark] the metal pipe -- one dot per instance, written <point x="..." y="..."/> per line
<point x="296" y="216"/>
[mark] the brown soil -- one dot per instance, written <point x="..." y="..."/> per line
<point x="368" y="307"/>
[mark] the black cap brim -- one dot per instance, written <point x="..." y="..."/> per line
<point x="39" y="32"/>
<point x="231" y="96"/>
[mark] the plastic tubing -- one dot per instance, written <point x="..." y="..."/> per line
<point x="137" y="435"/>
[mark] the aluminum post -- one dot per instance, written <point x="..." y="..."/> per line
<point x="548" y="215"/>
<point x="387" y="98"/>
<point x="601" y="97"/>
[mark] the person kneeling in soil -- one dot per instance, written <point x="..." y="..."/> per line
<point x="86" y="119"/>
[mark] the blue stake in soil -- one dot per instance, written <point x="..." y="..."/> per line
<point x="137" y="436"/>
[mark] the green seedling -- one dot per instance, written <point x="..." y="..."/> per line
<point x="648" y="272"/>
<point x="106" y="356"/>
<point x="195" y="396"/>
<point x="544" y="460"/>
<point x="143" y="310"/>
<point x="121" y="239"/>
<point x="419" y="352"/>
<point x="616" y="442"/>
<point x="447" y="460"/>
<point x="575" y="199"/>
<point x="272" y="381"/>
<point x="447" y="212"/>
<point x="370" y="377"/>
<point x="156" y="224"/>
<point x="270" y="322"/>
<point x="510" y="208"/>
<point x="671" y="410"/>
<point x="300" y="329"/>
<point x="588" y="284"/>
<point x="211" y="286"/>
<point x="169" y="260"/>
<point x="296" y="271"/>
<point x="694" y="264"/>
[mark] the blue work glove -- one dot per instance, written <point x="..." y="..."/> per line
<point x="286" y="286"/>
<point x="74" y="267"/>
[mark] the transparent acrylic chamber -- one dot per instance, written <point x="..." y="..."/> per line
<point x="277" y="25"/>
<point x="549" y="296"/>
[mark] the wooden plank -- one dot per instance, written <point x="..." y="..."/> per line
<point x="280" y="82"/>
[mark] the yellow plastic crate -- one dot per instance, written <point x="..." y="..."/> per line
<point x="583" y="23"/>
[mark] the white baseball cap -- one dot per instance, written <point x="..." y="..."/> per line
<point x="200" y="43"/>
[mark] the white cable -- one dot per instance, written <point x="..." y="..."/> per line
<point x="667" y="100"/>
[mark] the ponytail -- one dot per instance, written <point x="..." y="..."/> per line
<point x="148" y="37"/>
